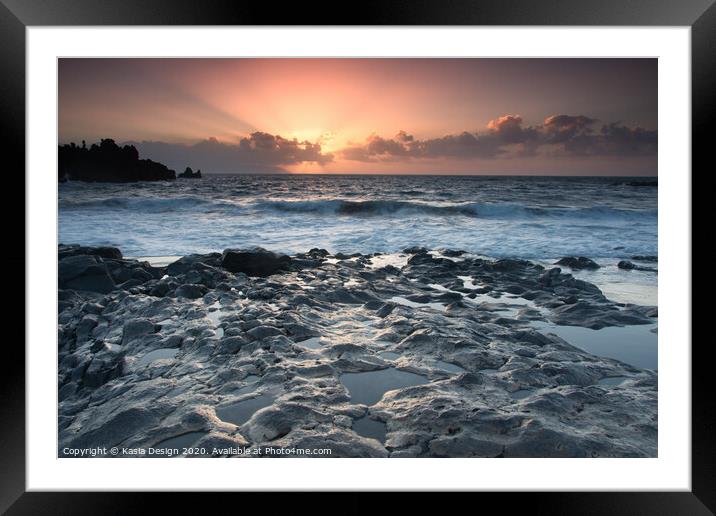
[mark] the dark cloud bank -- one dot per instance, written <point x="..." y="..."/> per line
<point x="505" y="137"/>
<point x="259" y="153"/>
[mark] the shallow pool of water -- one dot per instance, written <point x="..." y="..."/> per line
<point x="399" y="260"/>
<point x="634" y="345"/>
<point x="245" y="390"/>
<point x="311" y="343"/>
<point x="369" y="387"/>
<point x="450" y="368"/>
<point x="439" y="254"/>
<point x="370" y="428"/>
<point x="215" y="315"/>
<point x="412" y="304"/>
<point x="157" y="354"/>
<point x="240" y="412"/>
<point x="155" y="261"/>
<point x="504" y="303"/>
<point x="251" y="380"/>
<point x="623" y="286"/>
<point x="612" y="380"/>
<point x="468" y="282"/>
<point x="521" y="394"/>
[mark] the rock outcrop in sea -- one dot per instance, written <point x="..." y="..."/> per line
<point x="423" y="354"/>
<point x="190" y="174"/>
<point x="108" y="162"/>
<point x="577" y="263"/>
<point x="631" y="266"/>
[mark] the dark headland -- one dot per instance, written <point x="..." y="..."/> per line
<point x="108" y="162"/>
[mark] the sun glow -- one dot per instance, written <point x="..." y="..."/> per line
<point x="352" y="115"/>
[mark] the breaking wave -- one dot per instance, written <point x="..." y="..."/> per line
<point x="364" y="208"/>
<point x="479" y="210"/>
<point x="147" y="205"/>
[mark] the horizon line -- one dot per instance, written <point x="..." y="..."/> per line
<point x="450" y="174"/>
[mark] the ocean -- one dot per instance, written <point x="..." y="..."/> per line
<point x="520" y="217"/>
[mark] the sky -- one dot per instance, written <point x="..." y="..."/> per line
<point x="407" y="116"/>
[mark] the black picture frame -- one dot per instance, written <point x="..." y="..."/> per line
<point x="16" y="15"/>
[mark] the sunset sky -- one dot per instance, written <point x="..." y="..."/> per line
<point x="477" y="116"/>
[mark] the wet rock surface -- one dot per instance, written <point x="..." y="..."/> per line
<point x="254" y="262"/>
<point x="424" y="354"/>
<point x="578" y="263"/>
<point x="631" y="266"/>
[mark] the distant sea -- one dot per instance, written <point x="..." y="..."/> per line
<point x="520" y="217"/>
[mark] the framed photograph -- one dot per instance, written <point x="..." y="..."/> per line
<point x="430" y="248"/>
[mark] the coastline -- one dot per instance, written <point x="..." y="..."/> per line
<point x="617" y="285"/>
<point x="430" y="354"/>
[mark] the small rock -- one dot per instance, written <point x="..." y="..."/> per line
<point x="626" y="265"/>
<point x="136" y="328"/>
<point x="102" y="370"/>
<point x="254" y="262"/>
<point x="262" y="332"/>
<point x="385" y="310"/>
<point x="192" y="261"/>
<point x="191" y="291"/>
<point x="112" y="253"/>
<point x="85" y="326"/>
<point x="230" y="345"/>
<point x="578" y="263"/>
<point x="629" y="266"/>
<point x="84" y="272"/>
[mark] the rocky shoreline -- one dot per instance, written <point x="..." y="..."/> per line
<point x="422" y="354"/>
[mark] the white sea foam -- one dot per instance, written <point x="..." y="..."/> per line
<point x="532" y="218"/>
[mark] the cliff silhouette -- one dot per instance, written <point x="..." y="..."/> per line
<point x="108" y="162"/>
